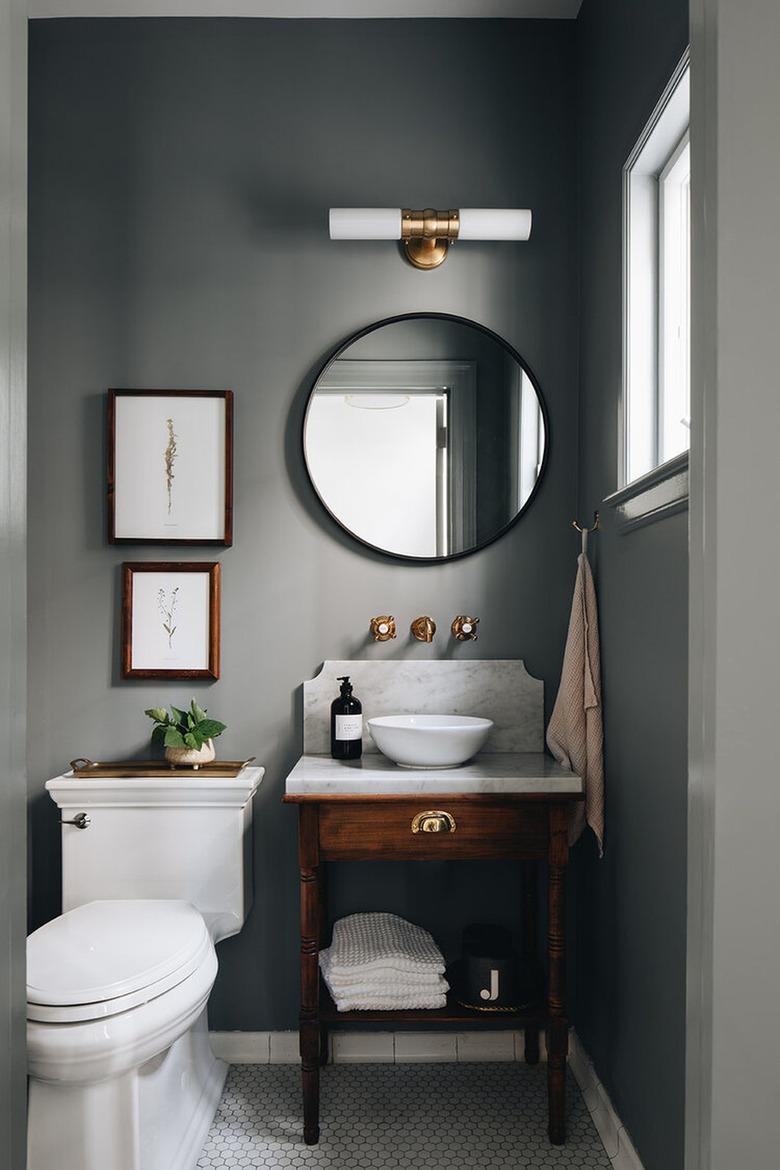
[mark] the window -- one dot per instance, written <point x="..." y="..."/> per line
<point x="656" y="287"/>
<point x="674" y="303"/>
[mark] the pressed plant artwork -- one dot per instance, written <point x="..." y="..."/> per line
<point x="166" y="603"/>
<point x="170" y="458"/>
<point x="170" y="620"/>
<point x="186" y="495"/>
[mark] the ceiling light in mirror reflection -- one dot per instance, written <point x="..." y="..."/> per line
<point x="384" y="400"/>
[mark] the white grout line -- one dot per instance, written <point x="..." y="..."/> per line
<point x="436" y="1048"/>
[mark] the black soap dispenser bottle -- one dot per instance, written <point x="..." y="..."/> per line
<point x="346" y="724"/>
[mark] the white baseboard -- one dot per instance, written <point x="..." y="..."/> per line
<point x="435" y="1047"/>
<point x="610" y="1128"/>
<point x="432" y="1047"/>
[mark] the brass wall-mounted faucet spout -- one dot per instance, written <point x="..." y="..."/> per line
<point x="423" y="629"/>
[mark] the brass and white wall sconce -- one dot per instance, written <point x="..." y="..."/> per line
<point x="382" y="628"/>
<point x="427" y="234"/>
<point x="464" y="628"/>
<point x="423" y="629"/>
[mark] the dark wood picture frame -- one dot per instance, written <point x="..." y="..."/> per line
<point x="227" y="538"/>
<point x="213" y="568"/>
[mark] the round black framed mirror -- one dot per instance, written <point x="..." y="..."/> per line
<point x="425" y="436"/>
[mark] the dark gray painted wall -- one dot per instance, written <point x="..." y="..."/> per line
<point x="630" y="973"/>
<point x="181" y="173"/>
<point x="13" y="429"/>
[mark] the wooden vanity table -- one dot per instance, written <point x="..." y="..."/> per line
<point x="500" y="805"/>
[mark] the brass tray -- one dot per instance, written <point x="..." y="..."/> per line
<point x="126" y="769"/>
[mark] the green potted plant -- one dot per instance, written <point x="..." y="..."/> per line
<point x="187" y="736"/>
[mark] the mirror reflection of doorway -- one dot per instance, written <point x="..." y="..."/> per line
<point x="425" y="436"/>
<point x="395" y="451"/>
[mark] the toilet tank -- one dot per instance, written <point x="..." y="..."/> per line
<point x="151" y="837"/>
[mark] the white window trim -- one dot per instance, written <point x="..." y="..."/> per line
<point x="640" y="283"/>
<point x="673" y="299"/>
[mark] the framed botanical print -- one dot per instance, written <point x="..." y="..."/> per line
<point x="170" y="466"/>
<point x="170" y="619"/>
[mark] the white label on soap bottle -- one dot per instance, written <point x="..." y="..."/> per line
<point x="349" y="726"/>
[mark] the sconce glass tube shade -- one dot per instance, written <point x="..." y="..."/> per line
<point x="384" y="223"/>
<point x="365" y="223"/>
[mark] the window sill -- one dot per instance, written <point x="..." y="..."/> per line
<point x="660" y="493"/>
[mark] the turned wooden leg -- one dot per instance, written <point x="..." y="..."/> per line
<point x="310" y="1040"/>
<point x="558" y="1032"/>
<point x="528" y="952"/>
<point x="324" y="938"/>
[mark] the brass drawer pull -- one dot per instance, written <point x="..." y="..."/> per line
<point x="434" y="821"/>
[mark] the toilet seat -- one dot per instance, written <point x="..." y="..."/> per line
<point x="106" y="957"/>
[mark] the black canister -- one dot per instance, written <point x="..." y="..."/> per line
<point x="490" y="971"/>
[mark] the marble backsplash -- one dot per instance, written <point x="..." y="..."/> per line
<point x="497" y="689"/>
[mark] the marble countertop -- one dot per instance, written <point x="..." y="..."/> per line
<point x="374" y="775"/>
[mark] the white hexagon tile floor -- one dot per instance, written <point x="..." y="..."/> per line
<point x="399" y="1116"/>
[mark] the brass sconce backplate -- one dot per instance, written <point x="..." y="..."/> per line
<point x="427" y="235"/>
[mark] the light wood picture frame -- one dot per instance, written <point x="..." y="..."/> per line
<point x="171" y="619"/>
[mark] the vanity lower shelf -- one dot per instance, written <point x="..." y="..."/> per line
<point x="454" y="1014"/>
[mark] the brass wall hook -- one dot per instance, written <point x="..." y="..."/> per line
<point x="464" y="628"/>
<point x="423" y="629"/>
<point x="585" y="532"/>
<point x="382" y="628"/>
<point x="595" y="527"/>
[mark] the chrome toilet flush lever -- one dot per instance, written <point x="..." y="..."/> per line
<point x="81" y="821"/>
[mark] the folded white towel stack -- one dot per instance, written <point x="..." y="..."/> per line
<point x="383" y="962"/>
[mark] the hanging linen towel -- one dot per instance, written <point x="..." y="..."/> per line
<point x="575" y="734"/>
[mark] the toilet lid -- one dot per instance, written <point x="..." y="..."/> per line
<point x="105" y="956"/>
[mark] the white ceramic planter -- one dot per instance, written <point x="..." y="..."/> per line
<point x="191" y="757"/>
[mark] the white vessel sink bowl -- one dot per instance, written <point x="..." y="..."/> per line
<point x="429" y="741"/>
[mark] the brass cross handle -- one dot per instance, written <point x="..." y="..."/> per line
<point x="423" y="629"/>
<point x="435" y="820"/>
<point x="464" y="628"/>
<point x="382" y="628"/>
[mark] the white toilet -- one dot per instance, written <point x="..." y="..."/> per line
<point x="121" y="1073"/>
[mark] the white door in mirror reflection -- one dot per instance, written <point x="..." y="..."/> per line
<point x="390" y="446"/>
<point x="380" y="466"/>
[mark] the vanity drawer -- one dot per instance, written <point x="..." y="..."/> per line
<point x="396" y="830"/>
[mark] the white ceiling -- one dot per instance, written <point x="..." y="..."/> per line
<point x="551" y="9"/>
